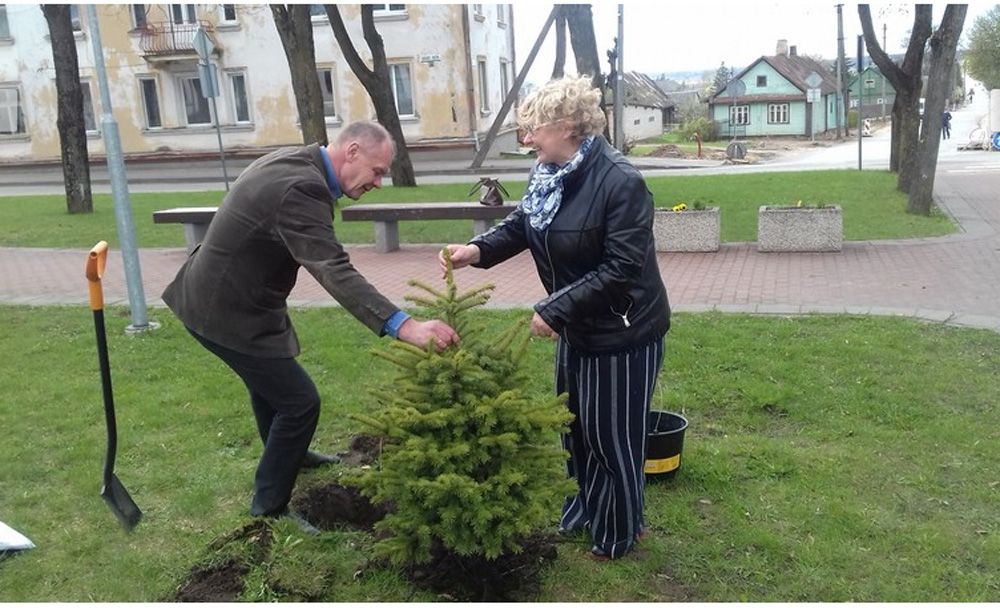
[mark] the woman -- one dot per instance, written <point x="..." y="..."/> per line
<point x="587" y="219"/>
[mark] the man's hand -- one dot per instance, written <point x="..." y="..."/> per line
<point x="461" y="256"/>
<point x="420" y="333"/>
<point x="540" y="328"/>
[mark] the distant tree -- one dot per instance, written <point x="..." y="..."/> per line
<point x="294" y="25"/>
<point x="378" y="83"/>
<point x="70" y="121"/>
<point x="982" y="58"/>
<point x="579" y="20"/>
<point x="944" y="45"/>
<point x="722" y="76"/>
<point x="907" y="82"/>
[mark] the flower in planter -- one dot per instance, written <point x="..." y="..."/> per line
<point x="680" y="207"/>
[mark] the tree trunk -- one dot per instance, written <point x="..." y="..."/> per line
<point x="944" y="43"/>
<point x="378" y="84"/>
<point x="907" y="82"/>
<point x="294" y="25"/>
<point x="559" y="66"/>
<point x="69" y="103"/>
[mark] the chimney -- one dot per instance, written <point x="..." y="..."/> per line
<point x="793" y="51"/>
<point x="782" y="48"/>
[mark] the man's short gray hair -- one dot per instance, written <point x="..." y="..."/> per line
<point x="368" y="132"/>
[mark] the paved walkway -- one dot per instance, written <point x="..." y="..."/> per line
<point x="951" y="279"/>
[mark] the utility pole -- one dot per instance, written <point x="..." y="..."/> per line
<point x="619" y="84"/>
<point x="880" y="71"/>
<point x="119" y="188"/>
<point x="841" y="98"/>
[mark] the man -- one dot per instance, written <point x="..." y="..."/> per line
<point x="232" y="291"/>
<point x="946" y="124"/>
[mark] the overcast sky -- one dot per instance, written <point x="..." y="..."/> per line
<point x="668" y="36"/>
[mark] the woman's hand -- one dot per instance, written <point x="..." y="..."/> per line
<point x="540" y="328"/>
<point x="461" y="256"/>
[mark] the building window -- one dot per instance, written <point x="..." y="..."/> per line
<point x="11" y="116"/>
<point x="228" y="13"/>
<point x="183" y="13"/>
<point x="501" y="15"/>
<point x="504" y="78"/>
<point x="317" y="12"/>
<point x="484" y="89"/>
<point x="739" y="115"/>
<point x="777" y="113"/>
<point x="762" y="81"/>
<point x="389" y="8"/>
<point x="870" y="83"/>
<point x="854" y="103"/>
<point x="4" y="26"/>
<point x="241" y="101"/>
<point x="196" y="109"/>
<point x="88" y="108"/>
<point x="138" y="12"/>
<point x="402" y="89"/>
<point x="477" y="11"/>
<point x="150" y="103"/>
<point x="326" y="86"/>
<point x="74" y="17"/>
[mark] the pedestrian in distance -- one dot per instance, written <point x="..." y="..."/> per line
<point x="946" y="125"/>
<point x="231" y="293"/>
<point x="587" y="218"/>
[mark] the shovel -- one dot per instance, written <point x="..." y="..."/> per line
<point x="113" y="492"/>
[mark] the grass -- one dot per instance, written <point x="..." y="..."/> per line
<point x="872" y="208"/>
<point x="829" y="458"/>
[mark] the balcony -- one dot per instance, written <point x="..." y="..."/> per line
<point x="168" y="41"/>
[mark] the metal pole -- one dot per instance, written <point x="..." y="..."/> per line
<point x="119" y="187"/>
<point x="861" y="100"/>
<point x="841" y="110"/>
<point x="881" y="74"/>
<point x="619" y="88"/>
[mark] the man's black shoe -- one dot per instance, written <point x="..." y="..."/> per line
<point x="307" y="528"/>
<point x="313" y="460"/>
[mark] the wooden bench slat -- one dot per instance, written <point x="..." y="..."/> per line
<point x="424" y="211"/>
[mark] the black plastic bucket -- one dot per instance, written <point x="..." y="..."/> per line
<point x="664" y="444"/>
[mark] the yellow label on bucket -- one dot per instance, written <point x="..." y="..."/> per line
<point x="662" y="465"/>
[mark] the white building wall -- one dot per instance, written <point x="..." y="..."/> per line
<point x="439" y="43"/>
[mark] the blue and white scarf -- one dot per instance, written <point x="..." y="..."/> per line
<point x="544" y="194"/>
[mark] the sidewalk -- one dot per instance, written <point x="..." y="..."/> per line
<point x="949" y="279"/>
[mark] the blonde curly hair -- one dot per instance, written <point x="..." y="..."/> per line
<point x="572" y="99"/>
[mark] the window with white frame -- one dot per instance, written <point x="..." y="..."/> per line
<point x="88" y="107"/>
<point x="227" y="12"/>
<point x="504" y="78"/>
<point x="241" y="100"/>
<point x="150" y="102"/>
<point x="777" y="113"/>
<point x="501" y="15"/>
<point x="11" y="114"/>
<point x="854" y="103"/>
<point x="74" y="17"/>
<point x="138" y="12"/>
<point x="4" y="26"/>
<point x="477" y="11"/>
<point x="388" y="8"/>
<point x="183" y="13"/>
<point x="326" y="86"/>
<point x="317" y="12"/>
<point x="195" y="107"/>
<point x="402" y="88"/>
<point x="739" y="115"/>
<point x="484" y="88"/>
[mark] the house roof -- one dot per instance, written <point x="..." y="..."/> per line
<point x="640" y="90"/>
<point x="795" y="69"/>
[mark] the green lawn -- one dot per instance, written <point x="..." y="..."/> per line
<point x="829" y="458"/>
<point x="872" y="209"/>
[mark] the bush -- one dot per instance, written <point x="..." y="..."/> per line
<point x="708" y="129"/>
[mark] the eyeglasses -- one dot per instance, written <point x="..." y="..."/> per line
<point x="531" y="129"/>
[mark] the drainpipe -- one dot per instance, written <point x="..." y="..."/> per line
<point x="470" y="83"/>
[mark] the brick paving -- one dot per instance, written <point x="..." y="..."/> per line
<point x="950" y="279"/>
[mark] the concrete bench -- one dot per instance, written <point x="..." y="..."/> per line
<point x="195" y="220"/>
<point x="388" y="215"/>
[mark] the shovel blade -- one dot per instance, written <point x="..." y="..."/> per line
<point x="121" y="504"/>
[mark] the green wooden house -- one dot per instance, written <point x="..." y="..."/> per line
<point x="876" y="93"/>
<point x="773" y="97"/>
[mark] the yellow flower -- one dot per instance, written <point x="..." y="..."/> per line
<point x="680" y="207"/>
<point x="799" y="204"/>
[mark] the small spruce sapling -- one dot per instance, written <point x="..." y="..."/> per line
<point x="470" y="461"/>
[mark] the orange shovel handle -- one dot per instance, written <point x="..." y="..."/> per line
<point x="96" y="262"/>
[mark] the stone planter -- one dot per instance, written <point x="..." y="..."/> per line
<point x="800" y="229"/>
<point x="687" y="231"/>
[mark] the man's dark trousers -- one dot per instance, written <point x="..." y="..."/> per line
<point x="286" y="405"/>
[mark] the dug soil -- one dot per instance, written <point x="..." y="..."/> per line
<point x="452" y="577"/>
